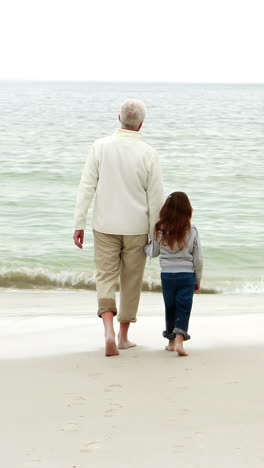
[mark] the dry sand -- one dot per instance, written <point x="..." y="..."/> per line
<point x="64" y="405"/>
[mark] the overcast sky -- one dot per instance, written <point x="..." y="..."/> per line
<point x="149" y="40"/>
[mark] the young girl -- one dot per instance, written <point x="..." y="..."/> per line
<point x="177" y="243"/>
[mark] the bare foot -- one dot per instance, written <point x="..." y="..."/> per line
<point x="125" y="344"/>
<point x="110" y="346"/>
<point x="180" y="349"/>
<point x="171" y="345"/>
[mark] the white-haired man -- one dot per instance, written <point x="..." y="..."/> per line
<point x="124" y="174"/>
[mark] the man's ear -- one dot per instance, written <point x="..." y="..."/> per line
<point x="119" y="118"/>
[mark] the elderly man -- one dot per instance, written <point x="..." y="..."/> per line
<point x="124" y="174"/>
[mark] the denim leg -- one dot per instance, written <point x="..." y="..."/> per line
<point x="184" y="299"/>
<point x="169" y="297"/>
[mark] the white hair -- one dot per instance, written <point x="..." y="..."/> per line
<point x="132" y="113"/>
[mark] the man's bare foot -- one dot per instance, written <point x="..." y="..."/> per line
<point x="110" y="346"/>
<point x="123" y="341"/>
<point x="171" y="345"/>
<point x="125" y="344"/>
<point x="179" y="347"/>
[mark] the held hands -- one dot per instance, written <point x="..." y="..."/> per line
<point x="78" y="238"/>
<point x="196" y="288"/>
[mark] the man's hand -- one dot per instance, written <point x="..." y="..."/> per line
<point x="196" y="287"/>
<point x="78" y="238"/>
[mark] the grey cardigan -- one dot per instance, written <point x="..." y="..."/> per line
<point x="187" y="260"/>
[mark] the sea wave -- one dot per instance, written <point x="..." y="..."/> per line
<point x="254" y="287"/>
<point x="40" y="278"/>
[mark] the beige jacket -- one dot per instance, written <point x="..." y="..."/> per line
<point x="124" y="174"/>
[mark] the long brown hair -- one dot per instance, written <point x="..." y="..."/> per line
<point x="175" y="220"/>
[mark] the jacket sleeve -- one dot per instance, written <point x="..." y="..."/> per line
<point x="152" y="249"/>
<point x="87" y="188"/>
<point x="154" y="193"/>
<point x="197" y="258"/>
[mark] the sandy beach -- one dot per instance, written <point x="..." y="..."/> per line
<point x="65" y="405"/>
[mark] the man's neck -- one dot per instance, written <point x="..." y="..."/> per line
<point x="130" y="129"/>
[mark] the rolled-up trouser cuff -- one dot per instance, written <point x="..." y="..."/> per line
<point x="169" y="336"/>
<point x="176" y="331"/>
<point x="185" y="335"/>
<point x="106" y="305"/>
<point x="131" y="320"/>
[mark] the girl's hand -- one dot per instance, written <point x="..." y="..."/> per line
<point x="196" y="287"/>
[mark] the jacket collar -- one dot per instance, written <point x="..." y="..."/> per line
<point x="127" y="133"/>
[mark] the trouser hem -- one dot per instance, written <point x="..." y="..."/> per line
<point x="176" y="331"/>
<point x="106" y="309"/>
<point x="185" y="335"/>
<point x="169" y="336"/>
<point x="132" y="320"/>
<point x="106" y="305"/>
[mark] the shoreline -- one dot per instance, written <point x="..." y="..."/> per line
<point x="64" y="302"/>
<point x="45" y="280"/>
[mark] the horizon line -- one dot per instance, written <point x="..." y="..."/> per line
<point x="26" y="80"/>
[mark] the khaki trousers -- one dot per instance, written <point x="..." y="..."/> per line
<point x="119" y="256"/>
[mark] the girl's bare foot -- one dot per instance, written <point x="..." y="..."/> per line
<point x="179" y="346"/>
<point x="171" y="345"/>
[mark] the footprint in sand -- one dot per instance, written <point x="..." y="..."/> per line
<point x="70" y="427"/>
<point x="178" y="448"/>
<point x="108" y="413"/>
<point x="113" y="387"/>
<point x="78" y="400"/>
<point x="35" y="460"/>
<point x="183" y="411"/>
<point x="75" y="400"/>
<point x="118" y="405"/>
<point x="91" y="446"/>
<point x="32" y="463"/>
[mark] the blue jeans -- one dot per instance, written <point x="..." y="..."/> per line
<point x="178" y="289"/>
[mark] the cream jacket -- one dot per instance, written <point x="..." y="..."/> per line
<point x="123" y="172"/>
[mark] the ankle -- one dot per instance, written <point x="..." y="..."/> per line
<point x="123" y="331"/>
<point x="122" y="336"/>
<point x="179" y="338"/>
<point x="107" y="316"/>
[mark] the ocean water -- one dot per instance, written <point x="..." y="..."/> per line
<point x="210" y="140"/>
